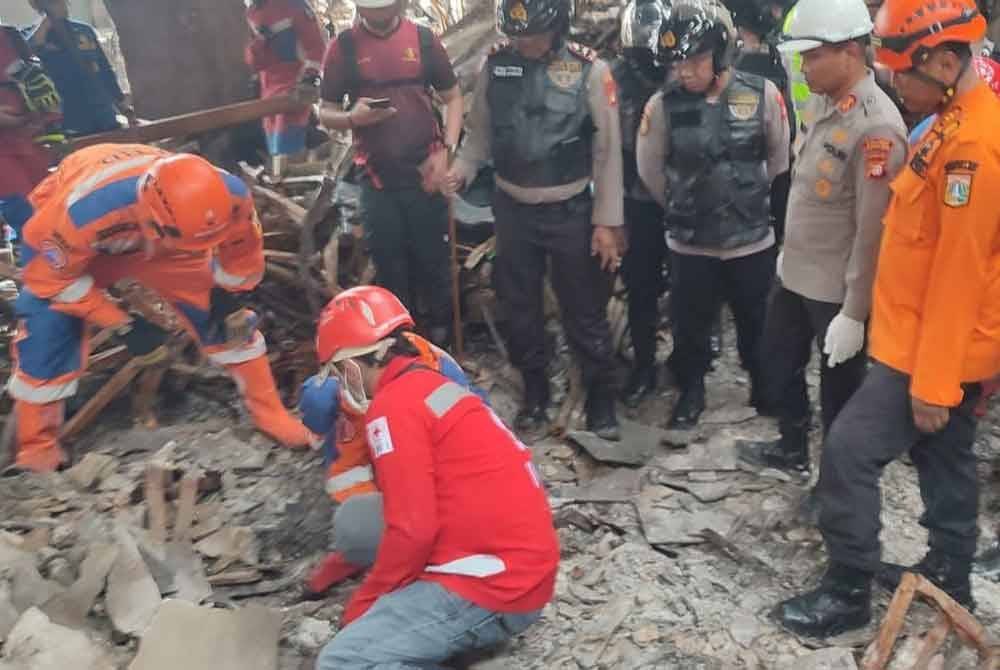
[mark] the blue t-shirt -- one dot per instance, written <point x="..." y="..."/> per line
<point x="88" y="99"/>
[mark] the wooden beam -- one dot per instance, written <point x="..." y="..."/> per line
<point x="880" y="651"/>
<point x="196" y="122"/>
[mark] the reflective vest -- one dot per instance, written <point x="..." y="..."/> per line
<point x="351" y="472"/>
<point x="800" y="89"/>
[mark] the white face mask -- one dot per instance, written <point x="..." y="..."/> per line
<point x="352" y="385"/>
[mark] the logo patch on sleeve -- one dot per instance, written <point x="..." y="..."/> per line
<point x="379" y="438"/>
<point x="957" y="189"/>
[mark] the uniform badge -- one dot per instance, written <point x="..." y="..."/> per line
<point x="826" y="167"/>
<point x="847" y="104"/>
<point x="877" y="150"/>
<point x="518" y="12"/>
<point x="54" y="254"/>
<point x="668" y="40"/>
<point x="409" y="55"/>
<point x="957" y="189"/>
<point x="379" y="438"/>
<point x="508" y="71"/>
<point x="839" y="136"/>
<point x="744" y="105"/>
<point x="823" y="188"/>
<point x="565" y="73"/>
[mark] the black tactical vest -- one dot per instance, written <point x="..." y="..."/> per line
<point x="718" y="189"/>
<point x="634" y="89"/>
<point x="540" y="115"/>
<point x="767" y="64"/>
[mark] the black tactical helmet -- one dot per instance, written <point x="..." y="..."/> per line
<point x="641" y="23"/>
<point x="696" y="27"/>
<point x="531" y="17"/>
<point x="753" y="15"/>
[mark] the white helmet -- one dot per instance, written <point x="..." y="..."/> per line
<point x="374" y="4"/>
<point x="818" y="22"/>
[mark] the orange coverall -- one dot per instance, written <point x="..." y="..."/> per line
<point x="85" y="235"/>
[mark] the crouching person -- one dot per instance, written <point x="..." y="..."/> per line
<point x="468" y="554"/>
<point x="357" y="521"/>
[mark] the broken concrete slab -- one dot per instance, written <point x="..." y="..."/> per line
<point x="189" y="573"/>
<point x="71" y="607"/>
<point x="132" y="595"/>
<point x="718" y="454"/>
<point x="8" y="613"/>
<point x="639" y="443"/>
<point x="233" y="543"/>
<point x="213" y="639"/>
<point x="91" y="470"/>
<point x="729" y="414"/>
<point x="311" y="634"/>
<point x="831" y="658"/>
<point x="592" y="642"/>
<point x="676" y="438"/>
<point x="663" y="525"/>
<point x="621" y="485"/>
<point x="36" y="643"/>
<point x="28" y="587"/>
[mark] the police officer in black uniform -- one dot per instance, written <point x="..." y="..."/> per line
<point x="708" y="147"/>
<point x="639" y="74"/>
<point x="545" y="111"/>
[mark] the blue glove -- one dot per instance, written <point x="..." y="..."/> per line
<point x="320" y="404"/>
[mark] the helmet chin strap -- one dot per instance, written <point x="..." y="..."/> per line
<point x="947" y="90"/>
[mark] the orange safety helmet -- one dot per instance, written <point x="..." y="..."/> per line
<point x="191" y="204"/>
<point x="356" y="321"/>
<point x="906" y="31"/>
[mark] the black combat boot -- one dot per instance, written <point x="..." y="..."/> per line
<point x="601" y="418"/>
<point x="988" y="563"/>
<point x="689" y="407"/>
<point x="840" y="603"/>
<point x="947" y="572"/>
<point x="641" y="383"/>
<point x="789" y="454"/>
<point x="533" y="415"/>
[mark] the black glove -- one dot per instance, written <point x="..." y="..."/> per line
<point x="142" y="337"/>
<point x="222" y="304"/>
<point x="39" y="91"/>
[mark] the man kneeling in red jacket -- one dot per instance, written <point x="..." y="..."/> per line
<point x="469" y="554"/>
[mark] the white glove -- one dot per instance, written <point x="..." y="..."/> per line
<point x="844" y="339"/>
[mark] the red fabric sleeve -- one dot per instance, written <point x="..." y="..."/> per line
<point x="404" y="472"/>
<point x="442" y="74"/>
<point x="334" y="74"/>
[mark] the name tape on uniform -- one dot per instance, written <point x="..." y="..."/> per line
<point x="508" y="71"/>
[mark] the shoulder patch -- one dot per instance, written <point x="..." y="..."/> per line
<point x="379" y="438"/>
<point x="957" y="189"/>
<point x="877" y="150"/>
<point x="581" y="51"/>
<point x="961" y="166"/>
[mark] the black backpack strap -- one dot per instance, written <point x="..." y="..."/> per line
<point x="426" y="39"/>
<point x="345" y="44"/>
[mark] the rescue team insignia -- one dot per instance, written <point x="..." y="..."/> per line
<point x="565" y="73"/>
<point x="957" y="189"/>
<point x="877" y="150"/>
<point x="744" y="105"/>
<point x="519" y="12"/>
<point x="379" y="438"/>
<point x="823" y="188"/>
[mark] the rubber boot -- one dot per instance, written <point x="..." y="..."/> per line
<point x="331" y="571"/>
<point x="987" y="565"/>
<point x="38" y="436"/>
<point x="256" y="384"/>
<point x="600" y="410"/>
<point x="641" y="383"/>
<point x="533" y="416"/>
<point x="689" y="407"/>
<point x="947" y="572"/>
<point x="789" y="454"/>
<point x="840" y="603"/>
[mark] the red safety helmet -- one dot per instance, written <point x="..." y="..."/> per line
<point x="356" y="321"/>
<point x="190" y="202"/>
<point x="906" y="31"/>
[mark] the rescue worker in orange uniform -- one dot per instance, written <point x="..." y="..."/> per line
<point x="329" y="412"/>
<point x="172" y="222"/>
<point x="935" y="326"/>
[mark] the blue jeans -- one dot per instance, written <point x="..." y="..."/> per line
<point x="418" y="628"/>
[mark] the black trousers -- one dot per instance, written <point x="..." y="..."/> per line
<point x="699" y="284"/>
<point x="527" y="236"/>
<point x="406" y="230"/>
<point x="642" y="270"/>
<point x="875" y="427"/>
<point x="793" y="323"/>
